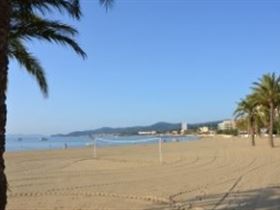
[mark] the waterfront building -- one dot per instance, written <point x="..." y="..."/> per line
<point x="227" y="125"/>
<point x="147" y="132"/>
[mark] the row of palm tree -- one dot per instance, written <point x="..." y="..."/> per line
<point x="22" y="21"/>
<point x="260" y="109"/>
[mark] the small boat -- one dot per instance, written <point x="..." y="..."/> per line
<point x="44" y="139"/>
<point x="19" y="139"/>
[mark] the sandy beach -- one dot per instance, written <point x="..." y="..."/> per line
<point x="212" y="173"/>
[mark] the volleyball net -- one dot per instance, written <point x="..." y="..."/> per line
<point x="101" y="142"/>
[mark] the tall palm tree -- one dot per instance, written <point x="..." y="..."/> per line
<point x="267" y="94"/>
<point x="4" y="33"/>
<point x="247" y="109"/>
<point x="21" y="21"/>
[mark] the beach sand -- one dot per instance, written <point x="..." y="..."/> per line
<point x="212" y="173"/>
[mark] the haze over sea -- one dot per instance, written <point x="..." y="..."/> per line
<point x="37" y="142"/>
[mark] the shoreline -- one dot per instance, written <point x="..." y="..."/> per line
<point x="88" y="144"/>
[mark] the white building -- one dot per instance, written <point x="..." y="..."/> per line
<point x="184" y="126"/>
<point x="227" y="125"/>
<point x="147" y="132"/>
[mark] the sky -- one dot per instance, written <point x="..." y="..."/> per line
<point x="148" y="61"/>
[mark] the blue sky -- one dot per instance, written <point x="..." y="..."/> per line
<point x="149" y="61"/>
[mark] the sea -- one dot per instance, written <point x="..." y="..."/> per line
<point x="37" y="142"/>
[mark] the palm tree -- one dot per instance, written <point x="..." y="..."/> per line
<point x="247" y="109"/>
<point x="267" y="94"/>
<point x="4" y="33"/>
<point x="21" y="21"/>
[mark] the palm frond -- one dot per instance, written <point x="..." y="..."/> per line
<point x="71" y="7"/>
<point x="19" y="52"/>
<point x="29" y="27"/>
<point x="107" y="3"/>
<point x="51" y="31"/>
<point x="28" y="23"/>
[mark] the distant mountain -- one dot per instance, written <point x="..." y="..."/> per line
<point x="159" y="127"/>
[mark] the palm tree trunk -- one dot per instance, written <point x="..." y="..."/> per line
<point x="4" y="31"/>
<point x="249" y="127"/>
<point x="271" y="119"/>
<point x="253" y="133"/>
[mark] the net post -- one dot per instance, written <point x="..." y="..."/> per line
<point x="94" y="146"/>
<point x="160" y="150"/>
<point x="94" y="149"/>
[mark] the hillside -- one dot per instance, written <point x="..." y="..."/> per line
<point x="159" y="127"/>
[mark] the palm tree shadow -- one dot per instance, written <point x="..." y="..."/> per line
<point x="257" y="199"/>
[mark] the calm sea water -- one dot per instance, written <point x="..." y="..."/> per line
<point x="29" y="143"/>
